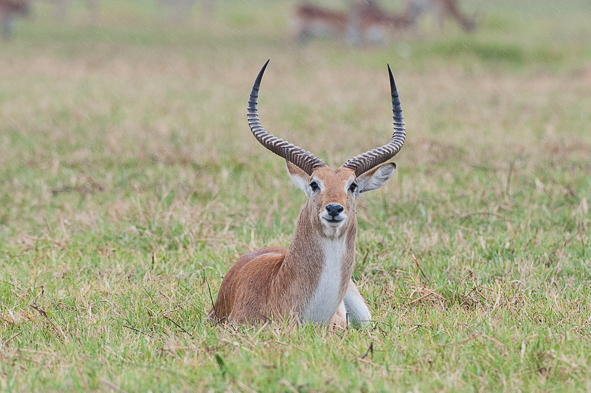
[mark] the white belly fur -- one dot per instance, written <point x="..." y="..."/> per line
<point x="325" y="300"/>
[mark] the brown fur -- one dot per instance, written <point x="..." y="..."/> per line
<point x="363" y="16"/>
<point x="371" y="14"/>
<point x="311" y="21"/>
<point x="444" y="8"/>
<point x="274" y="282"/>
<point x="311" y="12"/>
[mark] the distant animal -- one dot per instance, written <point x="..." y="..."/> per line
<point x="370" y="23"/>
<point x="310" y="281"/>
<point x="310" y="21"/>
<point x="9" y="11"/>
<point x="443" y="9"/>
<point x="366" y="22"/>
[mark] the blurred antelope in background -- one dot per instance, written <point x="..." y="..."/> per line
<point x="366" y="22"/>
<point x="443" y="9"/>
<point x="370" y="23"/>
<point x="311" y="280"/>
<point x="9" y="11"/>
<point x="310" y="21"/>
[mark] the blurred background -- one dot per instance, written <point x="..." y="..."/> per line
<point x="102" y="100"/>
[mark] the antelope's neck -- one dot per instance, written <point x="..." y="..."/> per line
<point x="318" y="270"/>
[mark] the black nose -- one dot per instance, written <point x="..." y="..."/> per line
<point x="334" y="209"/>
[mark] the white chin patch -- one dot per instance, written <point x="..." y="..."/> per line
<point x="332" y="228"/>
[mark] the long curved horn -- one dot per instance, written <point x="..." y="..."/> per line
<point x="292" y="153"/>
<point x="372" y="158"/>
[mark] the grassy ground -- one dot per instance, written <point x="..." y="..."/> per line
<point x="129" y="184"/>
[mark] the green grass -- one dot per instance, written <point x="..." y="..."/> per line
<point x="130" y="183"/>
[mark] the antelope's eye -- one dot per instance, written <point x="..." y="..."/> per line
<point x="314" y="186"/>
<point x="353" y="187"/>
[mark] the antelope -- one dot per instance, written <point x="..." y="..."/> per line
<point x="9" y="11"/>
<point x="366" y="22"/>
<point x="310" y="282"/>
<point x="369" y="22"/>
<point x="312" y="21"/>
<point x="443" y="9"/>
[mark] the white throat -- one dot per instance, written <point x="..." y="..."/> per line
<point x="326" y="297"/>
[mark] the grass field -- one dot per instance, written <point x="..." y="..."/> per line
<point x="130" y="183"/>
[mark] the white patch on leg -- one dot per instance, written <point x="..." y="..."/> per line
<point x="358" y="311"/>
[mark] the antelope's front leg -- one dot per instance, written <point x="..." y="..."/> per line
<point x="355" y="306"/>
<point x="339" y="320"/>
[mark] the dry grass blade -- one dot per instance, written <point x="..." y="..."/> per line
<point x="467" y="339"/>
<point x="290" y="345"/>
<point x="137" y="330"/>
<point x="244" y="387"/>
<point x="177" y="325"/>
<point x="9" y="339"/>
<point x="111" y="385"/>
<point x="414" y="258"/>
<point x="428" y="294"/>
<point x="370" y="349"/>
<point x="497" y="343"/>
<point x="288" y="386"/>
<point x="566" y="240"/>
<point x="44" y="314"/>
<point x="40" y="310"/>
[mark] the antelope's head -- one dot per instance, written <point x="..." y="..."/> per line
<point x="332" y="193"/>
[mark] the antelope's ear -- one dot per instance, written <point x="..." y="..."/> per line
<point x="374" y="180"/>
<point x="299" y="177"/>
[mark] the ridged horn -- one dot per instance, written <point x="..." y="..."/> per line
<point x="372" y="158"/>
<point x="303" y="159"/>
